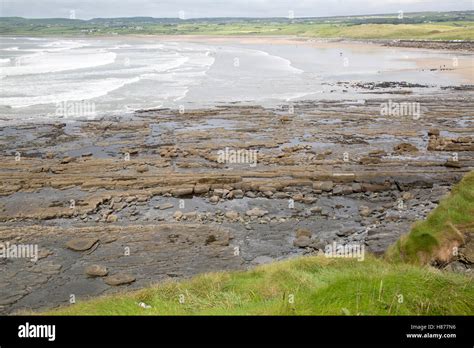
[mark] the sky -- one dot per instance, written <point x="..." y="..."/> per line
<point x="86" y="9"/>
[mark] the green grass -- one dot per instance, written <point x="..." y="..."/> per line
<point x="318" y="286"/>
<point x="456" y="30"/>
<point x="428" y="239"/>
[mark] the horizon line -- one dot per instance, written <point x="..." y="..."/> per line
<point x="238" y="17"/>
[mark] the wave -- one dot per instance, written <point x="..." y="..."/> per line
<point x="76" y="92"/>
<point x="50" y="63"/>
<point x="285" y="61"/>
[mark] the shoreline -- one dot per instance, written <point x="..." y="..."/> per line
<point x="456" y="45"/>
<point x="461" y="73"/>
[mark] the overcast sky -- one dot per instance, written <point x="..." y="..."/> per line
<point x="86" y="9"/>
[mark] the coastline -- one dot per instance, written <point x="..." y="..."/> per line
<point x="182" y="212"/>
<point x="151" y="181"/>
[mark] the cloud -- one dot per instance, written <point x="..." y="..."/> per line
<point x="86" y="9"/>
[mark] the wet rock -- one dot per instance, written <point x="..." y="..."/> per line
<point x="356" y="187"/>
<point x="142" y="168"/>
<point x="405" y="147"/>
<point x="302" y="242"/>
<point x="221" y="192"/>
<point x="364" y="210"/>
<point x="238" y="193"/>
<point x="81" y="244"/>
<point x="309" y="200"/>
<point x="189" y="215"/>
<point x="452" y="164"/>
<point x="119" y="279"/>
<point x="317" y="244"/>
<point x="433" y="132"/>
<point x="67" y="160"/>
<point x="186" y="191"/>
<point x="325" y="186"/>
<point x="261" y="260"/>
<point x="367" y="187"/>
<point x="456" y="267"/>
<point x="214" y="199"/>
<point x="165" y="206"/>
<point x="342" y="190"/>
<point x="303" y="232"/>
<point x="344" y="232"/>
<point x="257" y="212"/>
<point x="44" y="253"/>
<point x="298" y="197"/>
<point x="325" y="212"/>
<point x="250" y="194"/>
<point x="466" y="253"/>
<point x="96" y="271"/>
<point x="377" y="153"/>
<point x="200" y="189"/>
<point x="369" y="160"/>
<point x="232" y="215"/>
<point x="130" y="199"/>
<point x="112" y="218"/>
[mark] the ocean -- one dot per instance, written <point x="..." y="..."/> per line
<point x="39" y="76"/>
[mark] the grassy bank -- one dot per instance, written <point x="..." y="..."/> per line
<point x="436" y="237"/>
<point x="317" y="285"/>
<point x="445" y="31"/>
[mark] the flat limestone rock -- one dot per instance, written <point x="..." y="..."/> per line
<point x="166" y="206"/>
<point x="256" y="212"/>
<point x="96" y="271"/>
<point x="81" y="244"/>
<point x="119" y="279"/>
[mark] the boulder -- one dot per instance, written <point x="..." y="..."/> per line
<point x="364" y="211"/>
<point x="433" y="132"/>
<point x="405" y="147"/>
<point x="119" y="279"/>
<point x="303" y="232"/>
<point x="81" y="244"/>
<point x="96" y="271"/>
<point x="256" y="212"/>
<point x="302" y="242"/>
<point x="232" y="215"/>
<point x="325" y="186"/>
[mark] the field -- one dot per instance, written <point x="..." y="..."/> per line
<point x="426" y="26"/>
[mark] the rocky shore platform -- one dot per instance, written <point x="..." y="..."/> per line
<point x="122" y="202"/>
